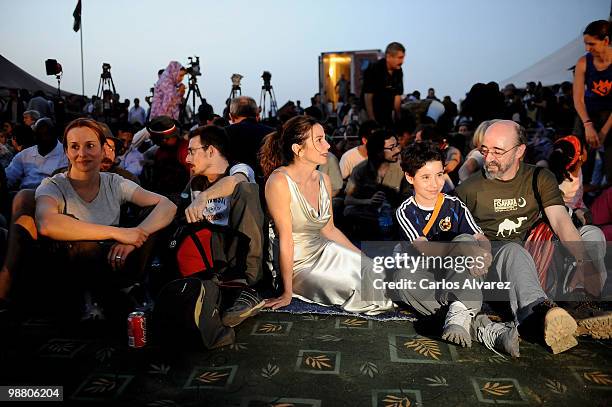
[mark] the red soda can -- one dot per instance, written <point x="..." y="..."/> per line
<point x="137" y="330"/>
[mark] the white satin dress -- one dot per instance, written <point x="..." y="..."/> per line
<point x="325" y="272"/>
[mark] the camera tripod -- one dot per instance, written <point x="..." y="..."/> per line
<point x="235" y="92"/>
<point x="106" y="83"/>
<point x="194" y="90"/>
<point x="267" y="92"/>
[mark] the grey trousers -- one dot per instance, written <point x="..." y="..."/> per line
<point x="512" y="263"/>
<point x="594" y="242"/>
<point x="426" y="300"/>
<point x="596" y="247"/>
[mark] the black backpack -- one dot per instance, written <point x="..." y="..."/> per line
<point x="186" y="314"/>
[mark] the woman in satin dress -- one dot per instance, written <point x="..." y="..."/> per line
<point x="317" y="262"/>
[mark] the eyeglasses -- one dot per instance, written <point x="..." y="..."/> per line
<point x="496" y="152"/>
<point x="393" y="147"/>
<point x="191" y="151"/>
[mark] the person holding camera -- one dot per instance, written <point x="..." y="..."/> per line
<point x="168" y="92"/>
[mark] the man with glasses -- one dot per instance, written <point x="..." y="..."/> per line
<point x="374" y="182"/>
<point x="231" y="198"/>
<point x="506" y="199"/>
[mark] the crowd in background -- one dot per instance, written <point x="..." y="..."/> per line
<point x="157" y="151"/>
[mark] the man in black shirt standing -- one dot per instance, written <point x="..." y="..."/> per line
<point x="383" y="85"/>
<point x="246" y="133"/>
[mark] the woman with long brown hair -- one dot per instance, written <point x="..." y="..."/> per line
<point x="317" y="263"/>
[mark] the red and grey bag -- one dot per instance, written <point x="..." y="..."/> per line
<point x="193" y="247"/>
<point x="207" y="249"/>
<point x="539" y="241"/>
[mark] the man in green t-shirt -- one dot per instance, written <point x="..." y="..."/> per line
<point x="503" y="203"/>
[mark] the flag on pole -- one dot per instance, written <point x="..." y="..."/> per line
<point x="77" y="17"/>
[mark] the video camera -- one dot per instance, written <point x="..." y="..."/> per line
<point x="194" y="66"/>
<point x="106" y="74"/>
<point x="267" y="77"/>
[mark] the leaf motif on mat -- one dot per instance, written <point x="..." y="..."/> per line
<point x="328" y="338"/>
<point x="318" y="362"/>
<point x="598" y="378"/>
<point x="104" y="353"/>
<point x="424" y="346"/>
<point x="369" y="369"/>
<point x="354" y="322"/>
<point x="394" y="401"/>
<point x="211" y="377"/>
<point x="270" y="328"/>
<point x="238" y="346"/>
<point x="311" y="317"/>
<point x="100" y="385"/>
<point x="497" y="389"/>
<point x="62" y="347"/>
<point x="556" y="386"/>
<point x="159" y="369"/>
<point x="436" y="381"/>
<point x="269" y="371"/>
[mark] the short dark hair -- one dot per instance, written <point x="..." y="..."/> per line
<point x="430" y="133"/>
<point x="376" y="146"/>
<point x="220" y="121"/>
<point x="416" y="155"/>
<point x="205" y="113"/>
<point x="314" y="112"/>
<point x="23" y="135"/>
<point x="367" y="128"/>
<point x="394" y="48"/>
<point x="243" y="106"/>
<point x="126" y="127"/>
<point x="212" y="135"/>
<point x="599" y="29"/>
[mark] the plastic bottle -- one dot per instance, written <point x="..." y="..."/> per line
<point x="385" y="220"/>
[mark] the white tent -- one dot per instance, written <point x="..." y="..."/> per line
<point x="554" y="68"/>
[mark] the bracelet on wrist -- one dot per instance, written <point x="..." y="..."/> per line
<point x="587" y="122"/>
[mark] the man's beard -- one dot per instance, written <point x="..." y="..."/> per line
<point x="393" y="159"/>
<point x="106" y="164"/>
<point x="500" y="170"/>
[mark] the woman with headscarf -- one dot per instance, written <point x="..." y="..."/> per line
<point x="168" y="92"/>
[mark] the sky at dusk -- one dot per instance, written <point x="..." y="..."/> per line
<point x="450" y="44"/>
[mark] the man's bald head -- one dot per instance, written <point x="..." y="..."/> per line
<point x="503" y="147"/>
<point x="508" y="130"/>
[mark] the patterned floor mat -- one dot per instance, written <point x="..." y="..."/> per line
<point x="283" y="359"/>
